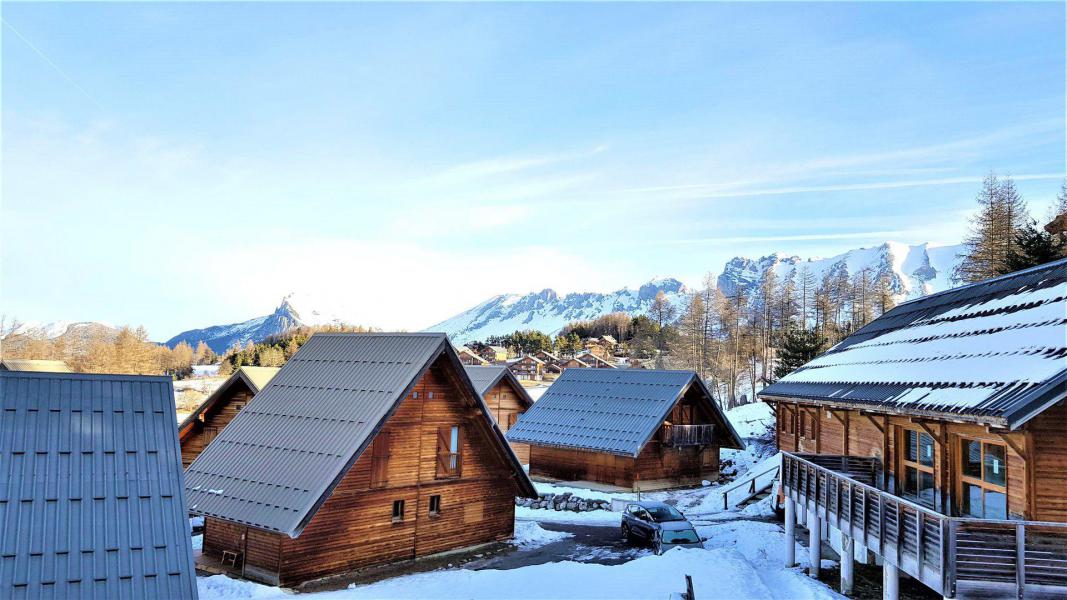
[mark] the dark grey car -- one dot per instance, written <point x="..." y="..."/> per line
<point x="659" y="525"/>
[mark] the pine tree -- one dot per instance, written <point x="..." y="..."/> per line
<point x="1001" y="214"/>
<point x="1032" y="247"/>
<point x="799" y="346"/>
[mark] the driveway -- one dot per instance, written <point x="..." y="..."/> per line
<point x="601" y="545"/>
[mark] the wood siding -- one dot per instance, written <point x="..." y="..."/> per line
<point x="214" y="420"/>
<point x="505" y="406"/>
<point x="355" y="528"/>
<point x="1036" y="457"/>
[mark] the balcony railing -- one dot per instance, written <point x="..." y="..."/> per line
<point x="688" y="435"/>
<point x="951" y="555"/>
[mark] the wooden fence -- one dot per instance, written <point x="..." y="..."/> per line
<point x="951" y="555"/>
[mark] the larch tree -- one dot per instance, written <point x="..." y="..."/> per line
<point x="992" y="236"/>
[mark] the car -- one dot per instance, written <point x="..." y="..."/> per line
<point x="659" y="525"/>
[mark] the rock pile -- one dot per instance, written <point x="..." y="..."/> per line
<point x="564" y="501"/>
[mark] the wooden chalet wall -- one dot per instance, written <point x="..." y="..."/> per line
<point x="354" y="528"/>
<point x="1036" y="456"/>
<point x="656" y="462"/>
<point x="214" y="420"/>
<point x="503" y="402"/>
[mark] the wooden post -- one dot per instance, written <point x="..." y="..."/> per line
<point x="890" y="581"/>
<point x="790" y="532"/>
<point x="848" y="557"/>
<point x="689" y="593"/>
<point x="814" y="543"/>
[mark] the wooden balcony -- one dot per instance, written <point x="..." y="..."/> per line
<point x="955" y="556"/>
<point x="687" y="435"/>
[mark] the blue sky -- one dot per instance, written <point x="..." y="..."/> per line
<point x="180" y="165"/>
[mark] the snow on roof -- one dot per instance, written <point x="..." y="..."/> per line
<point x="991" y="349"/>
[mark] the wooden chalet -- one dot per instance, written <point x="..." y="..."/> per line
<point x="600" y="346"/>
<point x="34" y="365"/>
<point x="365" y="449"/>
<point x="528" y="368"/>
<point x="494" y="354"/>
<point x="470" y="357"/>
<point x="635" y="429"/>
<point x="547" y="357"/>
<point x="935" y="438"/>
<point x="506" y="398"/>
<point x="595" y="361"/>
<point x="216" y="412"/>
<point x="572" y="363"/>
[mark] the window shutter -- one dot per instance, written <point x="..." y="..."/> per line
<point x="459" y="454"/>
<point x="380" y="450"/>
<point x="444" y="435"/>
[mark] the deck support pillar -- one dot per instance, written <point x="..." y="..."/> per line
<point x="814" y="543"/>
<point x="790" y="532"/>
<point x="890" y="581"/>
<point x="848" y="558"/>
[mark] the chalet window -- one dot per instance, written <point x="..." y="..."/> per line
<point x="788" y="424"/>
<point x="238" y="406"/>
<point x="983" y="480"/>
<point x="429" y="395"/>
<point x="449" y="446"/>
<point x="398" y="511"/>
<point x="512" y="417"/>
<point x="917" y="464"/>
<point x="380" y="450"/>
<point x="435" y="504"/>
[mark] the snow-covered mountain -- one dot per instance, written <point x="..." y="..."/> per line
<point x="548" y="312"/>
<point x="912" y="270"/>
<point x="71" y="331"/>
<point x="287" y="316"/>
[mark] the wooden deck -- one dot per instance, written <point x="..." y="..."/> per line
<point x="955" y="556"/>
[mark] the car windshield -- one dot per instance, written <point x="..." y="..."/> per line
<point x="664" y="513"/>
<point x="683" y="536"/>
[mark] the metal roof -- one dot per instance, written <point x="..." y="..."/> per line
<point x="279" y="459"/>
<point x="485" y="378"/>
<point x="610" y="410"/>
<point x="92" y="499"/>
<point x="34" y="365"/>
<point x="993" y="351"/>
<point x="256" y="378"/>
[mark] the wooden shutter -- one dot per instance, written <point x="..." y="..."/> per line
<point x="380" y="449"/>
<point x="459" y="451"/>
<point x="444" y="440"/>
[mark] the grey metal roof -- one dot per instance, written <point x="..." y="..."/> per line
<point x="91" y="501"/>
<point x="610" y="410"/>
<point x="485" y="377"/>
<point x="993" y="351"/>
<point x="279" y="459"/>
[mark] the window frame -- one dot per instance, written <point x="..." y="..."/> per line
<point x="904" y="463"/>
<point x="449" y="456"/>
<point x="398" y="515"/>
<point x="980" y="481"/>
<point x="432" y="511"/>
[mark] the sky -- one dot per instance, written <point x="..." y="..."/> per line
<point x="184" y="165"/>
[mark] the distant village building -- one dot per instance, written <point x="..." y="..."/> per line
<point x="947" y="417"/>
<point x="546" y="357"/>
<point x="595" y="361"/>
<point x="34" y="365"/>
<point x="365" y="449"/>
<point x="91" y="497"/>
<point x="506" y="398"/>
<point x="470" y="357"/>
<point x="495" y="354"/>
<point x="602" y="347"/>
<point x="528" y="368"/>
<point x="572" y="363"/>
<point x="636" y="429"/>
<point x="216" y="412"/>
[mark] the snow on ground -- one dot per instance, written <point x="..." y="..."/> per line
<point x="719" y="572"/>
<point x="604" y="518"/>
<point x="529" y="534"/>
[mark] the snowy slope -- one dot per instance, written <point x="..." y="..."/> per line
<point x="286" y="316"/>
<point x="548" y="312"/>
<point x="913" y="270"/>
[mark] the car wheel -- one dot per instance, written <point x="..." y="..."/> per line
<point x="626" y="533"/>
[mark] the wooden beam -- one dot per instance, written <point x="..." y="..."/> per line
<point x="926" y="427"/>
<point x="873" y="421"/>
<point x="1014" y="445"/>
<point x="836" y="414"/>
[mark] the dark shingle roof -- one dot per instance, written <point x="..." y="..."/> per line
<point x="282" y="455"/>
<point x="610" y="410"/>
<point x="92" y="503"/>
<point x="995" y="351"/>
<point x="484" y="378"/>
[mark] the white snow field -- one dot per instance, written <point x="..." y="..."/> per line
<point x="741" y="559"/>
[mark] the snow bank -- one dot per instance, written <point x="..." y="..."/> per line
<point x="529" y="535"/>
<point x="594" y="517"/>
<point x="717" y="573"/>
